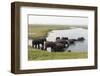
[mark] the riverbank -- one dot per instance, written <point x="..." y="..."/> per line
<point x="36" y="54"/>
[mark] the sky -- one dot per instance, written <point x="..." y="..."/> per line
<point x="58" y="20"/>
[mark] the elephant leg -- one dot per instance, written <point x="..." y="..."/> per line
<point x="35" y="46"/>
<point x="42" y="47"/>
<point x="38" y="46"/>
<point x="52" y="50"/>
<point x="45" y="48"/>
<point x="32" y="46"/>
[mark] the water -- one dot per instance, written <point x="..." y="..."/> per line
<point x="74" y="33"/>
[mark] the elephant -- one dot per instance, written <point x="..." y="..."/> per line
<point x="63" y="42"/>
<point x="81" y="39"/>
<point x="72" y="41"/>
<point x="37" y="42"/>
<point x="57" y="38"/>
<point x="64" y="38"/>
<point x="55" y="47"/>
<point x="59" y="47"/>
<point x="49" y="44"/>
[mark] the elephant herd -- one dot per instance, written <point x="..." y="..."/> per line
<point x="58" y="46"/>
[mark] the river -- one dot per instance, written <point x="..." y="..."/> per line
<point x="74" y="33"/>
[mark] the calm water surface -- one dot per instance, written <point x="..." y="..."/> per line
<point x="74" y="33"/>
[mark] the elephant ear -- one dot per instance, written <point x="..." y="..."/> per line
<point x="59" y="44"/>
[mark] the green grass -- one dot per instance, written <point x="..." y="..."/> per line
<point x="36" y="54"/>
<point x="43" y="30"/>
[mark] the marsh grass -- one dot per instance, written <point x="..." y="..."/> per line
<point x="41" y="31"/>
